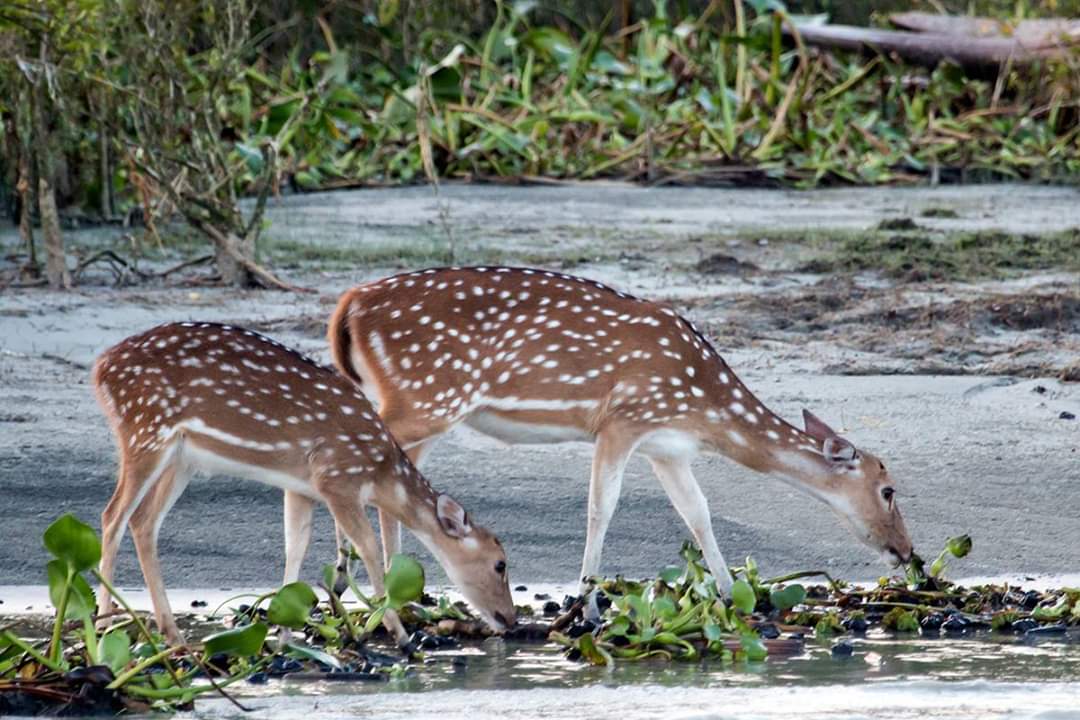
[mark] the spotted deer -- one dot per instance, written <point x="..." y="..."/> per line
<point x="531" y="356"/>
<point x="190" y="397"/>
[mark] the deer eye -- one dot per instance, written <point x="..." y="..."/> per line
<point x="500" y="567"/>
<point x="887" y="494"/>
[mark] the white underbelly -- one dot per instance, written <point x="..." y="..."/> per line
<point x="666" y="443"/>
<point x="516" y="432"/>
<point x="206" y="462"/>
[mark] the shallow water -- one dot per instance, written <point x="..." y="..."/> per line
<point x="984" y="676"/>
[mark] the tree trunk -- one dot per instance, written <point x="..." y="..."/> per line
<point x="26" y="225"/>
<point x="104" y="172"/>
<point x="20" y="185"/>
<point x="233" y="270"/>
<point x="56" y="271"/>
<point x="9" y="162"/>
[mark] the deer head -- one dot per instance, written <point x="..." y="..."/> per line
<point x="475" y="562"/>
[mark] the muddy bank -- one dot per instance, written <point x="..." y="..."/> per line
<point x="955" y="383"/>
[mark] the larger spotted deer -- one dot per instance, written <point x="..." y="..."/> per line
<point x="530" y="356"/>
<point x="202" y="397"/>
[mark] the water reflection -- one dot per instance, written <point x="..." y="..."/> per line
<point x="499" y="665"/>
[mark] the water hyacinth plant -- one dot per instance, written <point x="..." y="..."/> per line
<point x="680" y="615"/>
<point x="306" y="632"/>
<point x="128" y="667"/>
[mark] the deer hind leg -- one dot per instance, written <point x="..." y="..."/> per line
<point x="135" y="478"/>
<point x="613" y="450"/>
<point x="298" y="512"/>
<point x="682" y="488"/>
<point x="145" y="524"/>
<point x="348" y="512"/>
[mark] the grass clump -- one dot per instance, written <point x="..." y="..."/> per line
<point x="917" y="256"/>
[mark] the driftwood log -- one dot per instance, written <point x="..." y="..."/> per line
<point x="1031" y="33"/>
<point x="977" y="44"/>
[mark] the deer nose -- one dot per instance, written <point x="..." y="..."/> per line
<point x="501" y="619"/>
<point x="900" y="556"/>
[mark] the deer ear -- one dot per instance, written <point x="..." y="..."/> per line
<point x="452" y="517"/>
<point x="816" y="427"/>
<point x="838" y="450"/>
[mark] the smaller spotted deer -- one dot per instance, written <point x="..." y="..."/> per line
<point x="202" y="397"/>
<point x="532" y="356"/>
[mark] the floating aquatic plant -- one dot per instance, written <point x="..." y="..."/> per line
<point x="308" y="632"/>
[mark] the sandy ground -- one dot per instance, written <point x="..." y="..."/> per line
<point x="960" y="406"/>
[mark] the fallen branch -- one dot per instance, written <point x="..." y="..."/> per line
<point x="929" y="49"/>
<point x="202" y="259"/>
<point x="228" y="244"/>
<point x="1032" y="33"/>
<point x="113" y="259"/>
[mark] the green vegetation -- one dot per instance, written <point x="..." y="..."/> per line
<point x="235" y="99"/>
<point x="680" y="615"/>
<point x="127" y="667"/>
<point x="915" y="253"/>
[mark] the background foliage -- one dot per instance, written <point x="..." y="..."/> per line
<point x="199" y="105"/>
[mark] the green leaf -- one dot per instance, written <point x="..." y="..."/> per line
<point x="671" y="574"/>
<point x="115" y="650"/>
<point x="754" y="649"/>
<point x="553" y="43"/>
<point x="1052" y="613"/>
<point x="373" y="620"/>
<point x="304" y="652"/>
<point x="388" y="10"/>
<point x="788" y="597"/>
<point x="252" y="157"/>
<point x="241" y="642"/>
<point x="825" y="627"/>
<point x="640" y="607"/>
<point x="621" y="625"/>
<point x="607" y="63"/>
<point x="72" y="540"/>
<point x="291" y="605"/>
<point x="742" y="597"/>
<point x="665" y="608"/>
<point x="81" y="602"/>
<point x="712" y="631"/>
<point x="959" y="546"/>
<point x="404" y="581"/>
<point x="329" y="575"/>
<point x="446" y="84"/>
<point x="591" y="651"/>
<point x="908" y="623"/>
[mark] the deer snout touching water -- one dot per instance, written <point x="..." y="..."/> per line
<point x="189" y="397"/>
<point x="531" y="356"/>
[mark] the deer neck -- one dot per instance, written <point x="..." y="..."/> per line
<point x="754" y="436"/>
<point x="410" y="500"/>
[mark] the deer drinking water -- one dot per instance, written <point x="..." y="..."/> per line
<point x="202" y="397"/>
<point x="531" y="356"/>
